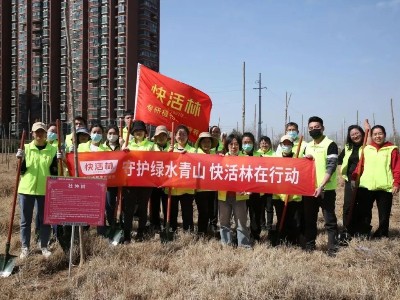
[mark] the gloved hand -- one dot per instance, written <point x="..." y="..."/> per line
<point x="20" y="153"/>
<point x="60" y="155"/>
<point x="71" y="148"/>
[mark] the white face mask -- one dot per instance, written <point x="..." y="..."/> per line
<point x="112" y="138"/>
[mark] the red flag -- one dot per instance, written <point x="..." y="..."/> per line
<point x="161" y="100"/>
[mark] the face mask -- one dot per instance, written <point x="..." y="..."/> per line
<point x="96" y="137"/>
<point x="286" y="149"/>
<point x="247" y="147"/>
<point x="112" y="138"/>
<point x="292" y="134"/>
<point x="51" y="136"/>
<point x="315" y="133"/>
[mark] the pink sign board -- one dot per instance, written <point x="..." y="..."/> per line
<point x="74" y="200"/>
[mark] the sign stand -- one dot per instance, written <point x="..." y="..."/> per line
<point x="71" y="250"/>
<point x="75" y="201"/>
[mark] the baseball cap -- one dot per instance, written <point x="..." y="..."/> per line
<point x="286" y="137"/>
<point x="161" y="129"/>
<point x="38" y="125"/>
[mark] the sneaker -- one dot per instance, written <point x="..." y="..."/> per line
<point x="24" y="253"/>
<point x="45" y="252"/>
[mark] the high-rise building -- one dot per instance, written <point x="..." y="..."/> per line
<point x="108" y="39"/>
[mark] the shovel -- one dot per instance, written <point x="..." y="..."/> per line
<point x="7" y="261"/>
<point x="275" y="235"/>
<point x="115" y="232"/>
<point x="167" y="234"/>
<point x="344" y="237"/>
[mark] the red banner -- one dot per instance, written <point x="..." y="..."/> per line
<point x="273" y="175"/>
<point x="161" y="100"/>
<point x="74" y="200"/>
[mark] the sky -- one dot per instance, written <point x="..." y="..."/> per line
<point x="334" y="57"/>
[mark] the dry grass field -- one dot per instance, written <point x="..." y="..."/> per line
<point x="200" y="269"/>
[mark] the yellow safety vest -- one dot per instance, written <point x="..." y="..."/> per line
<point x="319" y="152"/>
<point x="345" y="164"/>
<point x="377" y="174"/>
<point x="222" y="194"/>
<point x="178" y="192"/>
<point x="38" y="163"/>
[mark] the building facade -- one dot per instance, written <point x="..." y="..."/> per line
<point x="108" y="39"/>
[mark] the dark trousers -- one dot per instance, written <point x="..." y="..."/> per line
<point x="157" y="196"/>
<point x="384" y="201"/>
<point x="186" y="201"/>
<point x="135" y="196"/>
<point x="111" y="201"/>
<point x="311" y="207"/>
<point x="254" y="206"/>
<point x="213" y="210"/>
<point x="293" y="220"/>
<point x="267" y="206"/>
<point x="354" y="220"/>
<point x="202" y="202"/>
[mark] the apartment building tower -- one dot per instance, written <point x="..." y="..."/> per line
<point x="108" y="39"/>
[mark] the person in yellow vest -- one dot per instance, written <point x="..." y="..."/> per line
<point x="52" y="136"/>
<point x="39" y="160"/>
<point x="79" y="122"/>
<point x="94" y="145"/>
<point x="213" y="209"/>
<point x="215" y="131"/>
<point x="265" y="150"/>
<point x="204" y="199"/>
<point x="348" y="160"/>
<point x="292" y="224"/>
<point x="379" y="181"/>
<point x="162" y="144"/>
<point x="325" y="154"/>
<point x="111" y="144"/>
<point x="178" y="195"/>
<point x="292" y="129"/>
<point x="138" y="195"/>
<point x="233" y="203"/>
<point x="254" y="203"/>
<point x="128" y="116"/>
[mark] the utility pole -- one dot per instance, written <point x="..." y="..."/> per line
<point x="373" y="119"/>
<point x="357" y="117"/>
<point x="255" y="118"/>
<point x="394" y="128"/>
<point x="244" y="97"/>
<point x="259" y="104"/>
<point x="286" y="110"/>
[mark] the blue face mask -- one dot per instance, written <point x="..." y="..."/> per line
<point x="96" y="137"/>
<point x="51" y="136"/>
<point x="293" y="134"/>
<point x="287" y="149"/>
<point x="247" y="147"/>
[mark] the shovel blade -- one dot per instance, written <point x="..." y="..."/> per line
<point x="7" y="263"/>
<point x="166" y="236"/>
<point x="344" y="238"/>
<point x="115" y="236"/>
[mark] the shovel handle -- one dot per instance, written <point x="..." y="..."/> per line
<point x="21" y="146"/>
<point x="60" y="162"/>
<point x="287" y="197"/>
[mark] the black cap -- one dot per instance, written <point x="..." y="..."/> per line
<point x="139" y="125"/>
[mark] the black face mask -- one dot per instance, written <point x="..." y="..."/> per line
<point x="315" y="133"/>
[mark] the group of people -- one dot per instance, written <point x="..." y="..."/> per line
<point x="371" y="173"/>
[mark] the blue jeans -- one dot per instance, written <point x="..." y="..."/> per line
<point x="27" y="204"/>
<point x="239" y="210"/>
